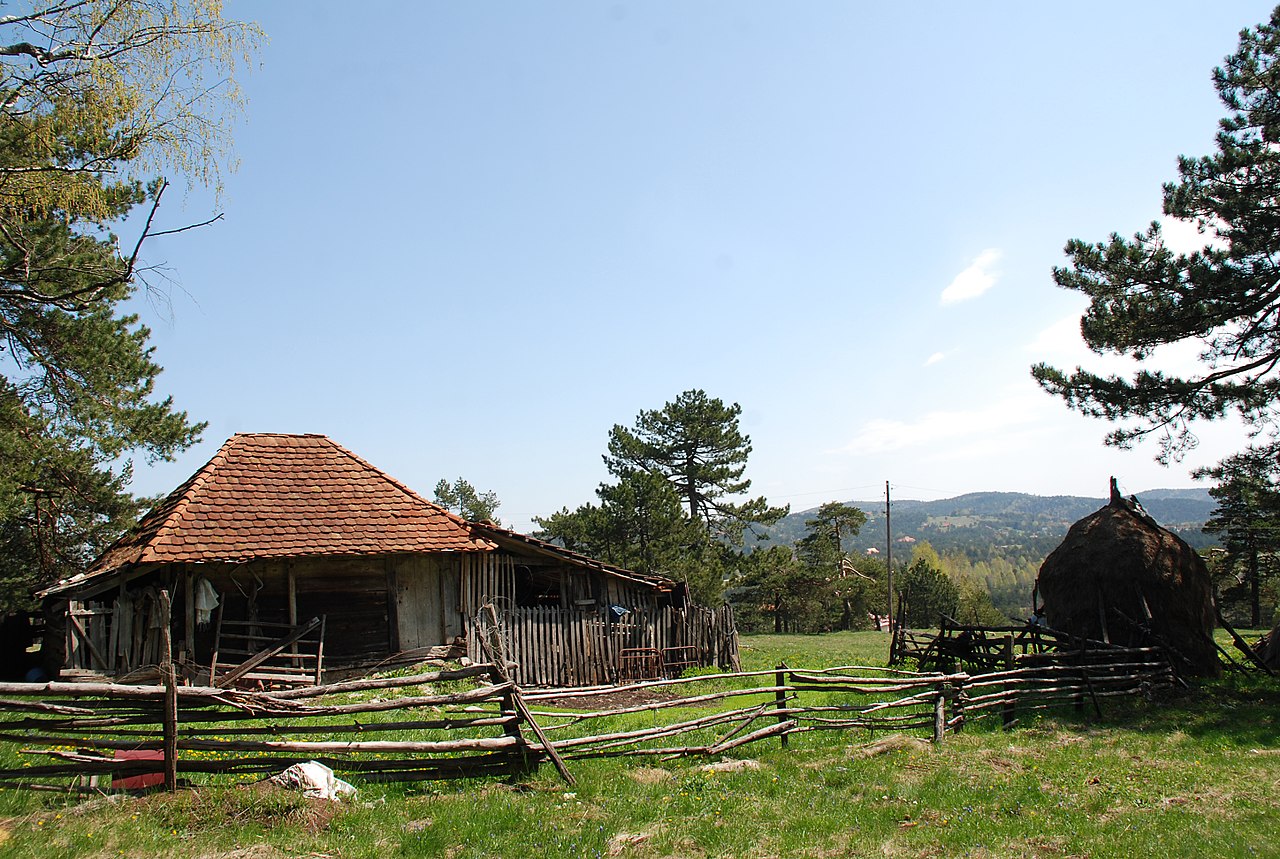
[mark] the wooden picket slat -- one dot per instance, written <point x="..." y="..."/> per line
<point x="570" y="647"/>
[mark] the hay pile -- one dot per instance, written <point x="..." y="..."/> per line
<point x="1269" y="649"/>
<point x="1119" y="577"/>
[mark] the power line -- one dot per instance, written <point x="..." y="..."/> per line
<point x="825" y="491"/>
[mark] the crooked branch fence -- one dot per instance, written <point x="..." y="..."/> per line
<point x="981" y="647"/>
<point x="88" y="730"/>
<point x="83" y="731"/>
<point x="857" y="698"/>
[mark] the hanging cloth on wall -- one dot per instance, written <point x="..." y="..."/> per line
<point x="206" y="602"/>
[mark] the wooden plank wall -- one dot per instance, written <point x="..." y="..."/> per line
<point x="115" y="637"/>
<point x="557" y="646"/>
<point x="566" y="647"/>
<point x="488" y="577"/>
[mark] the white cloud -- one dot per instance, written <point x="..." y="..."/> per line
<point x="934" y="358"/>
<point x="1062" y="345"/>
<point x="974" y="280"/>
<point x="934" y="428"/>
<point x="1062" y="338"/>
<point x="1184" y="237"/>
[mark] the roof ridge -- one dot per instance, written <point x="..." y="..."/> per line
<point x="280" y="435"/>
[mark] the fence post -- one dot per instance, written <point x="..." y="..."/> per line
<point x="960" y="697"/>
<point x="1010" y="708"/>
<point x="170" y="720"/>
<point x="512" y="702"/>
<point x="1079" y="698"/>
<point x="512" y="729"/>
<point x="1088" y="681"/>
<point x="780" y="696"/>
<point x="940" y="713"/>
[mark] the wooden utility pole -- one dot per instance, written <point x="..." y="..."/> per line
<point x="888" y="551"/>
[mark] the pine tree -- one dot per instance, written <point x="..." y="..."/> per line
<point x="691" y="452"/>
<point x="776" y="592"/>
<point x="822" y="549"/>
<point x="1225" y="296"/>
<point x="927" y="593"/>
<point x="1247" y="519"/>
<point x="696" y="445"/>
<point x="469" y="503"/>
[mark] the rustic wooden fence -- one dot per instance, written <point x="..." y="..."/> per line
<point x="83" y="731"/>
<point x="88" y="730"/>
<point x="857" y="698"/>
<point x="979" y="647"/>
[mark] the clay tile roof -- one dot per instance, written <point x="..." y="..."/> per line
<point x="266" y="495"/>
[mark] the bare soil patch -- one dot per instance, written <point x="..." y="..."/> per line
<point x="609" y="700"/>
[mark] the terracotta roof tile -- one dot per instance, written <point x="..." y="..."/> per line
<point x="272" y="496"/>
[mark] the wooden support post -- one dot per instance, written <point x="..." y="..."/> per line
<point x="780" y="697"/>
<point x="1079" y="696"/>
<point x="170" y="723"/>
<point x="1102" y="618"/>
<point x="319" y="676"/>
<point x="438" y="573"/>
<point x="217" y="638"/>
<point x="393" y="608"/>
<point x="188" y="615"/>
<point x="512" y="728"/>
<point x="291" y="586"/>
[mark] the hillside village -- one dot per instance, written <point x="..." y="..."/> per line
<point x="1005" y="521"/>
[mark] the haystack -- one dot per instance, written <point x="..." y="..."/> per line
<point x="1119" y="577"/>
<point x="1269" y="648"/>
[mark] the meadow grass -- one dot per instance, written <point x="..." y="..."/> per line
<point x="1194" y="773"/>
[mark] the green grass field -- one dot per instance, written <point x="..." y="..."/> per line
<point x="1194" y="774"/>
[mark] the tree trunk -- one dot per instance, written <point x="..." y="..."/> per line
<point x="1255" y="600"/>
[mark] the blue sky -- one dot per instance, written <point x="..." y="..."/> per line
<point x="466" y="239"/>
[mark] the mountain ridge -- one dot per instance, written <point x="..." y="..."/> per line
<point x="981" y="524"/>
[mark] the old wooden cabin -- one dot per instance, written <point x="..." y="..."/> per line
<point x="288" y="559"/>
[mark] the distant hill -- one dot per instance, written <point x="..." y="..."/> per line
<point x="1002" y="524"/>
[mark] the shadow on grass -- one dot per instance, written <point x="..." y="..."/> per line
<point x="1241" y="710"/>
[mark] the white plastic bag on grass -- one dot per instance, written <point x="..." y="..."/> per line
<point x="314" y="779"/>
